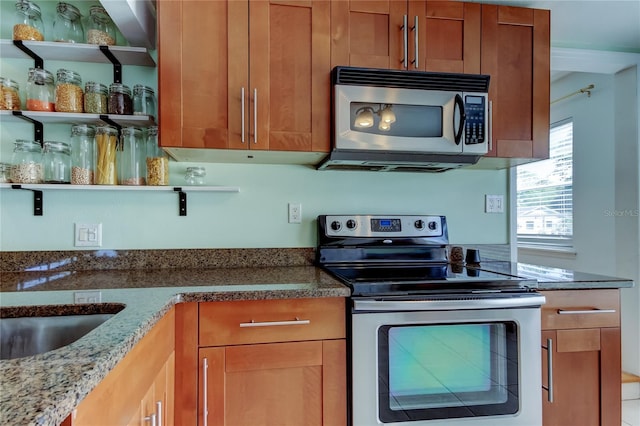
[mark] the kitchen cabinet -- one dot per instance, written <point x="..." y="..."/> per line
<point x="515" y="52"/>
<point x="581" y="358"/>
<point x="440" y="36"/>
<point x="139" y="386"/>
<point x="244" y="75"/>
<point x="263" y="362"/>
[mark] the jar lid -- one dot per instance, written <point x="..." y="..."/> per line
<point x="68" y="76"/>
<point x="119" y="88"/>
<point x="7" y="82"/>
<point x="92" y="86"/>
<point x="55" y="146"/>
<point x="107" y="129"/>
<point x="140" y="88"/>
<point x="83" y="130"/>
<point x="27" y="145"/>
<point x="28" y="7"/>
<point x="40" y="76"/>
<point x="68" y="11"/>
<point x="99" y="13"/>
<point x="131" y="131"/>
<point x="197" y="170"/>
<point x="152" y="131"/>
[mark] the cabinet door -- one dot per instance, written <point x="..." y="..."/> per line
<point x="278" y="384"/>
<point x="516" y="53"/>
<point x="584" y="377"/>
<point x="202" y="66"/>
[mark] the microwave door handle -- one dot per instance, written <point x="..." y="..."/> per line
<point x="460" y="104"/>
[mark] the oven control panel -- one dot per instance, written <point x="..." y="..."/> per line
<point x="379" y="226"/>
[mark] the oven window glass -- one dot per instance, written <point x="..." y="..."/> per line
<point x="447" y="371"/>
<point x="415" y="121"/>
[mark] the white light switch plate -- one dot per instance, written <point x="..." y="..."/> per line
<point x="494" y="204"/>
<point x="88" y="235"/>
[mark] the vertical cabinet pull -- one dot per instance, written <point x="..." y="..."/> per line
<point x="490" y="126"/>
<point x="205" y="396"/>
<point x="549" y="387"/>
<point x="405" y="42"/>
<point x="415" y="42"/>
<point x="255" y="115"/>
<point x="159" y="412"/>
<point x="152" y="419"/>
<point x="242" y="112"/>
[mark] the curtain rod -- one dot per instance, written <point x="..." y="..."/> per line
<point x="586" y="90"/>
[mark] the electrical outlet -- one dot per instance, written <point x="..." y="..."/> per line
<point x="494" y="203"/>
<point x="88" y="235"/>
<point x="89" y="296"/>
<point x="295" y="213"/>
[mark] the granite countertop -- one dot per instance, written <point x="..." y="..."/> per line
<point x="44" y="389"/>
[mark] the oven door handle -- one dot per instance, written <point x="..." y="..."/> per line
<point x="377" y="305"/>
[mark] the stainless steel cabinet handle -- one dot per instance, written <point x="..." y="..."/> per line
<point x="490" y="126"/>
<point x="297" y="321"/>
<point x="242" y="111"/>
<point x="415" y="42"/>
<point x="205" y="390"/>
<point x="255" y="115"/>
<point x="549" y="387"/>
<point x="151" y="418"/>
<point x="405" y="41"/>
<point x="587" y="311"/>
<point x="159" y="412"/>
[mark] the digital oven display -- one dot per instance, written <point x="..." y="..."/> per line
<point x="386" y="225"/>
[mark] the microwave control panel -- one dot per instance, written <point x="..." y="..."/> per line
<point x="474" y="128"/>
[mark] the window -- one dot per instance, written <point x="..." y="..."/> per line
<point x="545" y="193"/>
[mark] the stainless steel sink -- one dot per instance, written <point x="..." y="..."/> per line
<point x="31" y="335"/>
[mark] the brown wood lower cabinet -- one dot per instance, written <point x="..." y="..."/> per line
<point x="581" y="359"/>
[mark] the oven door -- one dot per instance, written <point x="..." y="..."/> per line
<point x="436" y="367"/>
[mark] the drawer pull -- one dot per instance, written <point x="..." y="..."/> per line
<point x="297" y="321"/>
<point x="587" y="311"/>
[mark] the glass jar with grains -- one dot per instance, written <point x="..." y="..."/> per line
<point x="26" y="162"/>
<point x="69" y="95"/>
<point x="67" y="26"/>
<point x="131" y="159"/>
<point x="40" y="90"/>
<point x="120" y="101"/>
<point x="100" y="27"/>
<point x="82" y="154"/>
<point x="10" y="94"/>
<point x="95" y="98"/>
<point x="106" y="145"/>
<point x="56" y="157"/>
<point x="28" y="22"/>
<point x="157" y="160"/>
<point x="195" y="175"/>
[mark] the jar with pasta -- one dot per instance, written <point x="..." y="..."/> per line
<point x="28" y="21"/>
<point x="100" y="27"/>
<point x="95" y="98"/>
<point x="10" y="99"/>
<point x="40" y="90"/>
<point x="131" y="159"/>
<point x="82" y="154"/>
<point x="26" y="162"/>
<point x="56" y="157"/>
<point x="106" y="172"/>
<point x="157" y="160"/>
<point x="69" y="94"/>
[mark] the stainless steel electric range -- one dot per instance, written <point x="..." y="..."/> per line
<point x="431" y="342"/>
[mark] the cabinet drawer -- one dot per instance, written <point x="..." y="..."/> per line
<point x="581" y="309"/>
<point x="263" y="321"/>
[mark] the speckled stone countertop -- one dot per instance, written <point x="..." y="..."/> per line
<point x="44" y="389"/>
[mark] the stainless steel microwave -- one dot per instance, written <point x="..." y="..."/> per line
<point x="392" y="120"/>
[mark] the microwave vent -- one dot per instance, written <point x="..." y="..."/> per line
<point x="411" y="79"/>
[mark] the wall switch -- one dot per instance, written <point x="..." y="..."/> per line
<point x="88" y="235"/>
<point x="494" y="203"/>
<point x="295" y="213"/>
<point x="89" y="296"/>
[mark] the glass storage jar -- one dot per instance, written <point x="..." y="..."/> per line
<point x="67" y="26"/>
<point x="69" y="94"/>
<point x="82" y="154"/>
<point x="56" y="157"/>
<point x="100" y="27"/>
<point x="106" y="146"/>
<point x="120" y="101"/>
<point x="95" y="98"/>
<point x="28" y="22"/>
<point x="195" y="175"/>
<point x="10" y="90"/>
<point x="144" y="100"/>
<point x="157" y="160"/>
<point x="5" y="170"/>
<point x="40" y="90"/>
<point x="26" y="162"/>
<point x="131" y="159"/>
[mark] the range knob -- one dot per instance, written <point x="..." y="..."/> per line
<point x="433" y="225"/>
<point x="336" y="225"/>
<point x="419" y="224"/>
<point x="351" y="224"/>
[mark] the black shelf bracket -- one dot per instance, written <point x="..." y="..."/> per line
<point x="117" y="66"/>
<point x="182" y="201"/>
<point x="37" y="199"/>
<point x="109" y="121"/>
<point x="39" y="63"/>
<point x="38" y="128"/>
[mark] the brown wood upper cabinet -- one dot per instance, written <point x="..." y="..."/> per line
<point x="244" y="74"/>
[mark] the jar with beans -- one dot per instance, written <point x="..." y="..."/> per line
<point x="69" y="94"/>
<point x="67" y="26"/>
<point x="100" y="27"/>
<point x="40" y="90"/>
<point x="82" y="154"/>
<point x="157" y="160"/>
<point x="106" y="146"/>
<point x="10" y="94"/>
<point x="28" y="21"/>
<point x="56" y="157"/>
<point x="26" y="162"/>
<point x="131" y="159"/>
<point x="120" y="101"/>
<point x="95" y="98"/>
